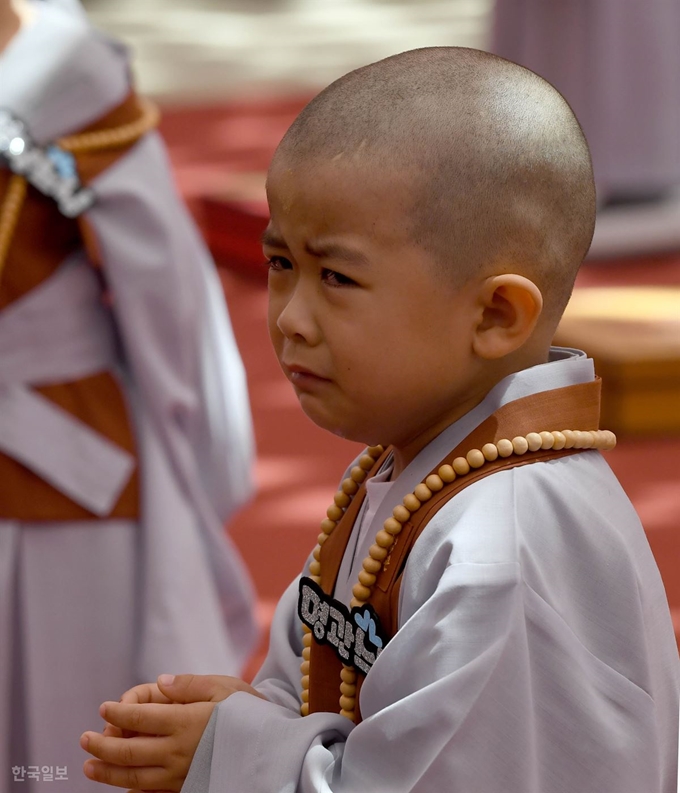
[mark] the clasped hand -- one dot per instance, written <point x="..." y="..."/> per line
<point x="152" y="733"/>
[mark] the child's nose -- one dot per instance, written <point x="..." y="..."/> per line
<point x="296" y="319"/>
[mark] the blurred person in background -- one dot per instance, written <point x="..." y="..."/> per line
<point x="125" y="432"/>
<point x="617" y="62"/>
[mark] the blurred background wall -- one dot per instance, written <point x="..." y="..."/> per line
<point x="198" y="50"/>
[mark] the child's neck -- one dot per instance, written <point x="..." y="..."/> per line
<point x="407" y="450"/>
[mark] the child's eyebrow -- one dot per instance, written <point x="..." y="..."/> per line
<point x="322" y="250"/>
<point x="270" y="239"/>
<point x="334" y="250"/>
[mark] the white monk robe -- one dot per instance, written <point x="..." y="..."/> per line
<point x="617" y="63"/>
<point x="89" y="609"/>
<point x="535" y="652"/>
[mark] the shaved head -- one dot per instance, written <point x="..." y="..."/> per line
<point x="497" y="166"/>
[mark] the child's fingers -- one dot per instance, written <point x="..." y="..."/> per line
<point x="135" y="778"/>
<point x="142" y="750"/>
<point x="144" y="693"/>
<point x="150" y="719"/>
<point x="201" y="688"/>
<point x="110" y="731"/>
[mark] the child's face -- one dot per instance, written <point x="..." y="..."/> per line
<point x="375" y="340"/>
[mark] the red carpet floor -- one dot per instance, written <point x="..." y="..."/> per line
<point x="298" y="464"/>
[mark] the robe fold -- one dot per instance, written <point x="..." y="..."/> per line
<point x="534" y="652"/>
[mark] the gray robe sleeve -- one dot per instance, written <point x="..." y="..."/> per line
<point x="535" y="655"/>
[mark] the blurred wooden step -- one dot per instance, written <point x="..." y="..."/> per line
<point x="633" y="335"/>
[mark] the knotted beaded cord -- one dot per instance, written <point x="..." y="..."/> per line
<point x="603" y="440"/>
<point x="84" y="142"/>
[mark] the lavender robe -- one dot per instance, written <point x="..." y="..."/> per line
<point x="535" y="651"/>
<point x="88" y="610"/>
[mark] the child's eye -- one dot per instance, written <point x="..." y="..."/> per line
<point x="336" y="279"/>
<point x="279" y="263"/>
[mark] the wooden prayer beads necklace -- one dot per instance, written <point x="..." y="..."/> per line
<point x="603" y="440"/>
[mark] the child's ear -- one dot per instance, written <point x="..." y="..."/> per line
<point x="510" y="306"/>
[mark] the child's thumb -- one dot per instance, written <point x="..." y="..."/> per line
<point x="191" y="688"/>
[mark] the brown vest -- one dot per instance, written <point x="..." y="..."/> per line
<point x="41" y="242"/>
<point x="573" y="407"/>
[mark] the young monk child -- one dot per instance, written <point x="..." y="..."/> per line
<point x="482" y="612"/>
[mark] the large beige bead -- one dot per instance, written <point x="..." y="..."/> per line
<point x="372" y="565"/>
<point x="588" y="440"/>
<point x="358" y="474"/>
<point x="475" y="458"/>
<point x="434" y="482"/>
<point x="321" y="539"/>
<point x="535" y="441"/>
<point x="378" y="552"/>
<point x="490" y="452"/>
<point x="341" y="499"/>
<point x="304" y="668"/>
<point x="315" y="568"/>
<point x="348" y="714"/>
<point x="504" y="447"/>
<point x="366" y="462"/>
<point x="334" y="512"/>
<point x="304" y="709"/>
<point x="347" y="703"/>
<point x="306" y="652"/>
<point x="461" y="466"/>
<point x="304" y="695"/>
<point x="422" y="492"/>
<point x="520" y="445"/>
<point x="349" y="486"/>
<point x="401" y="514"/>
<point x="361" y="592"/>
<point x="609" y="440"/>
<point x="411" y="503"/>
<point x="383" y="539"/>
<point x="392" y="526"/>
<point x="327" y="525"/>
<point x="348" y="689"/>
<point x="355" y="602"/>
<point x="315" y="578"/>
<point x="316" y="553"/>
<point x="570" y="438"/>
<point x="375" y="451"/>
<point x="367" y="579"/>
<point x="447" y="473"/>
<point x="547" y="440"/>
<point x="305" y="682"/>
<point x="559" y="441"/>
<point x="348" y="675"/>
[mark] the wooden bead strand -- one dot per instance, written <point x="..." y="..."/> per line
<point x="372" y="565"/>
<point x="334" y="513"/>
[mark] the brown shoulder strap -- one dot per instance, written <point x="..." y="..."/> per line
<point x="333" y="548"/>
<point x="572" y="407"/>
<point x="324" y="685"/>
